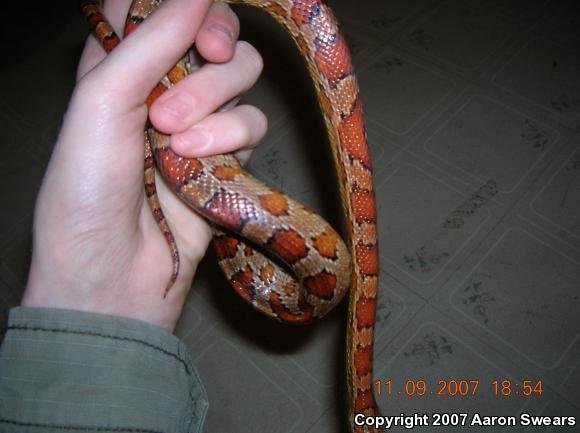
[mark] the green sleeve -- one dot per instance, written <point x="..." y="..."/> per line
<point x="71" y="371"/>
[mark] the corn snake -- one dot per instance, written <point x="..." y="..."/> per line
<point x="312" y="267"/>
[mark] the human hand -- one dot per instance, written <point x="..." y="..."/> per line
<point x="96" y="245"/>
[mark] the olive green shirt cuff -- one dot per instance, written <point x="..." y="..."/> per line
<point x="64" y="370"/>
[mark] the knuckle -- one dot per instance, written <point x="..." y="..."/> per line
<point x="244" y="133"/>
<point x="260" y="120"/>
<point x="263" y="120"/>
<point x="254" y="123"/>
<point x="239" y="130"/>
<point x="250" y="56"/>
<point x="231" y="19"/>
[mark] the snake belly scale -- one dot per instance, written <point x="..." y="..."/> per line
<point x="252" y="222"/>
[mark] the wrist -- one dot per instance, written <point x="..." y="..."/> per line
<point x="133" y="301"/>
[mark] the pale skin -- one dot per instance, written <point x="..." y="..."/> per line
<point x="96" y="246"/>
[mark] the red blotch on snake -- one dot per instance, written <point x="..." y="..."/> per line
<point x="363" y="359"/>
<point x="275" y="203"/>
<point x="333" y="58"/>
<point x="304" y="316"/>
<point x="226" y="172"/>
<point x="325" y="243"/>
<point x="231" y="209"/>
<point x="321" y="285"/>
<point x="226" y="247"/>
<point x="352" y="134"/>
<point x="241" y="281"/>
<point x="289" y="245"/>
<point x="303" y="11"/>
<point x="367" y="257"/>
<point x="364" y="401"/>
<point x="365" y="312"/>
<point x="363" y="205"/>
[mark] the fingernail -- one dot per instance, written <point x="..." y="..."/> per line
<point x="179" y="105"/>
<point x="197" y="137"/>
<point x="222" y="32"/>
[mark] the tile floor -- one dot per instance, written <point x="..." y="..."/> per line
<point x="473" y="112"/>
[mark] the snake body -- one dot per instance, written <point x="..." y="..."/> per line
<point x="312" y="268"/>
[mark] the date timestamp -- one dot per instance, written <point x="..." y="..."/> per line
<point x="459" y="388"/>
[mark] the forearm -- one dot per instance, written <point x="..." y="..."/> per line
<point x="73" y="370"/>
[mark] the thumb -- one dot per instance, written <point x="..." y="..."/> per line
<point x="135" y="67"/>
<point x="112" y="95"/>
